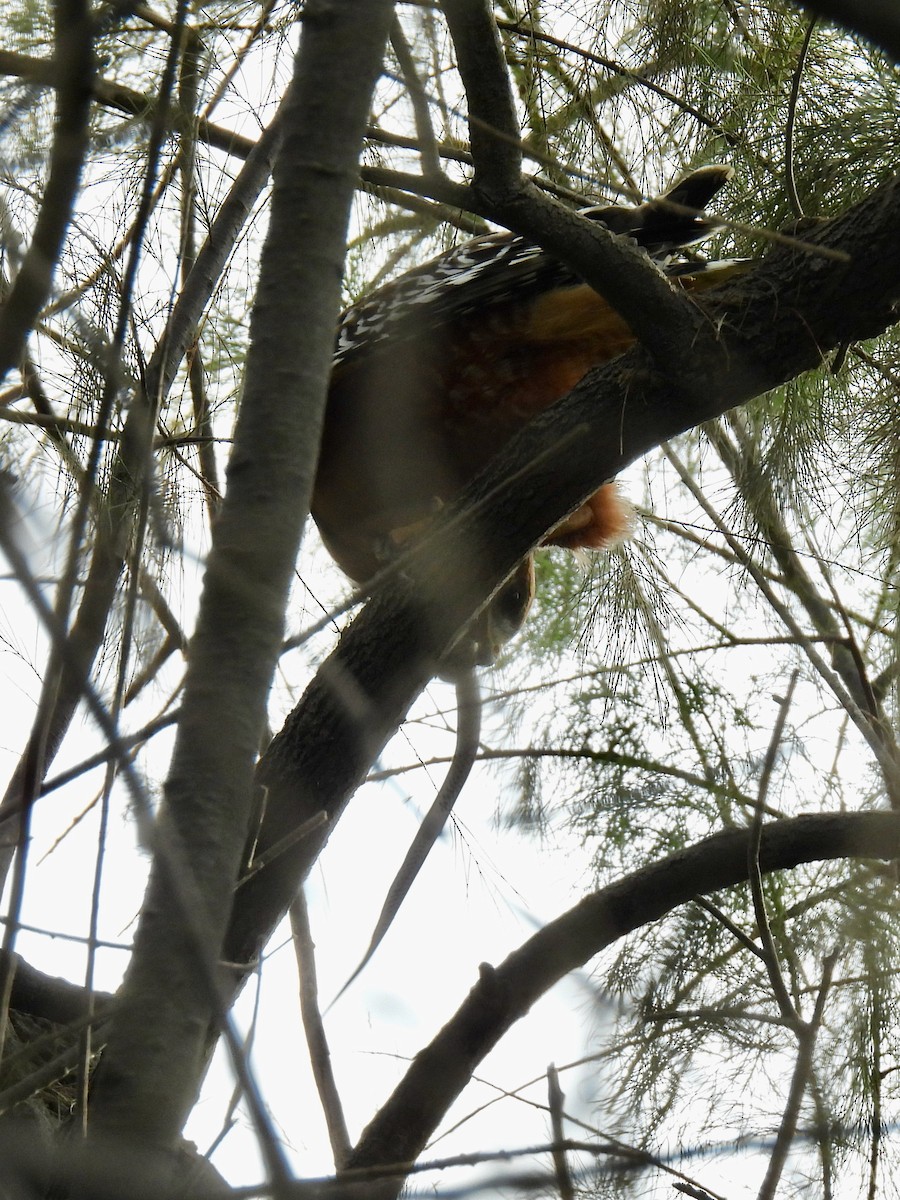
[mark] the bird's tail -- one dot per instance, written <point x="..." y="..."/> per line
<point x="674" y="219"/>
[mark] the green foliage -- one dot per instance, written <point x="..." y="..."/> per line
<point x="651" y="678"/>
<point x="800" y="487"/>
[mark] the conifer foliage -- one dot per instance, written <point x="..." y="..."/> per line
<point x="694" y="736"/>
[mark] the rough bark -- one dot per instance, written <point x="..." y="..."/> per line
<point x="778" y="322"/>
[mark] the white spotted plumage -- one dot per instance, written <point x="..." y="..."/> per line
<point x="497" y="267"/>
<point x="486" y="270"/>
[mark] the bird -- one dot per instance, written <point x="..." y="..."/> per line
<point x="435" y="371"/>
<point x="432" y="374"/>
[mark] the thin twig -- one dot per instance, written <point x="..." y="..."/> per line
<point x="560" y="1164"/>
<point x="313" y="825"/>
<point x="872" y="735"/>
<point x="876" y="1034"/>
<point x="735" y="930"/>
<point x="617" y="69"/>
<point x="770" y="952"/>
<point x="790" y="182"/>
<point x="806" y="1037"/>
<point x="465" y="754"/>
<point x="317" y="1042"/>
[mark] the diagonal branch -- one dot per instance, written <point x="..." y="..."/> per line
<point x="660" y="315"/>
<point x="772" y="326"/>
<point x="206" y="811"/>
<point x="504" y="994"/>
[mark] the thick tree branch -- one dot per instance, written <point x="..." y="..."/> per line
<point x="778" y="322"/>
<point x="660" y="314"/>
<point x="50" y="997"/>
<point x="504" y="994"/>
<point x="166" y="996"/>
<point x="494" y="133"/>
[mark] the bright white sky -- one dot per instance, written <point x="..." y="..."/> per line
<point x="483" y="891"/>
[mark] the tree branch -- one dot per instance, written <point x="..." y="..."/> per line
<point x="776" y="323"/>
<point x="660" y="315"/>
<point x="202" y="826"/>
<point x="74" y="65"/>
<point x="878" y="20"/>
<point x="494" y="134"/>
<point x="504" y="994"/>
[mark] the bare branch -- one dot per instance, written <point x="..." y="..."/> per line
<point x="770" y="952"/>
<point x="806" y="1041"/>
<point x="555" y="1100"/>
<point x="418" y="98"/>
<point x="504" y="994"/>
<point x="238" y="638"/>
<point x="75" y="58"/>
<point x="319" y="1054"/>
<point x="468" y="730"/>
<point x="791" y="120"/>
<point x="775" y="324"/>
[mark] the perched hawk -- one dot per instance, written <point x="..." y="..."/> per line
<point x="434" y="372"/>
